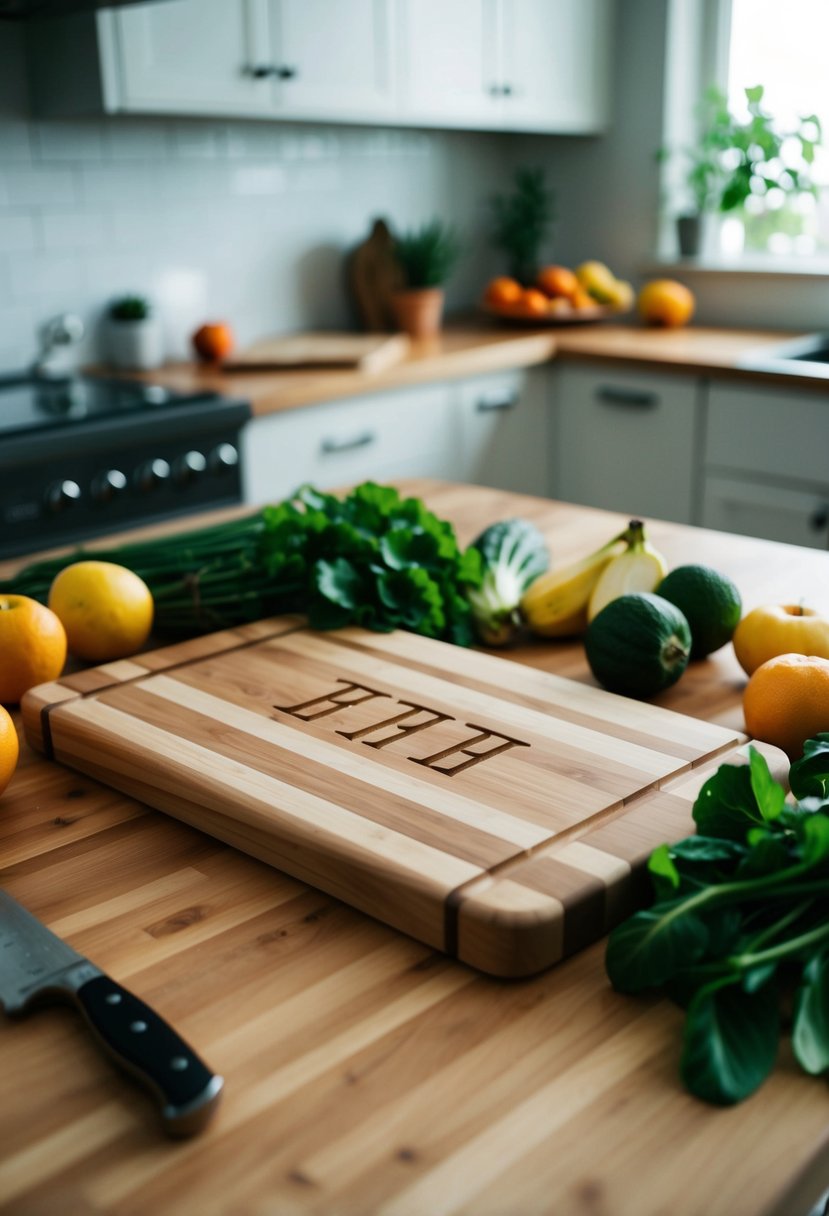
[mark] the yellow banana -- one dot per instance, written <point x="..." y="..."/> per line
<point x="555" y="604"/>
<point x="639" y="568"/>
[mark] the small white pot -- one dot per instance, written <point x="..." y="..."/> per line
<point x="134" y="345"/>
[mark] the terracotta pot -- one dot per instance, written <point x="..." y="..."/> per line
<point x="418" y="311"/>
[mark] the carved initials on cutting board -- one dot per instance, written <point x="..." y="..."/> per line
<point x="400" y="725"/>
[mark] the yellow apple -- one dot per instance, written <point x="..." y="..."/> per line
<point x="780" y="629"/>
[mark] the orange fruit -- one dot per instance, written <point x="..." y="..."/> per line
<point x="666" y="302"/>
<point x="557" y="281"/>
<point x="779" y="629"/>
<point x="534" y="303"/>
<point x="106" y="609"/>
<point x="9" y="749"/>
<point x="786" y="701"/>
<point x="214" y="341"/>
<point x="32" y="646"/>
<point x="583" y="299"/>
<point x="503" y="291"/>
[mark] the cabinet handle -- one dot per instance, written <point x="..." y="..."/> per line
<point x="820" y="518"/>
<point x="495" y="405"/>
<point x="635" y="398"/>
<point x="506" y="90"/>
<point x="331" y="447"/>
<point x="269" y="71"/>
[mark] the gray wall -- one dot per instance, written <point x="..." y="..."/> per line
<point x="243" y="221"/>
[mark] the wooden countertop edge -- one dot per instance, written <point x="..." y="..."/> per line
<point x="477" y="349"/>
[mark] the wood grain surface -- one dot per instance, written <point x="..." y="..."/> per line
<point x="395" y="772"/>
<point x="365" y="1072"/>
<point x="473" y="348"/>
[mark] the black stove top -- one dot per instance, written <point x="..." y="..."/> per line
<point x="29" y="403"/>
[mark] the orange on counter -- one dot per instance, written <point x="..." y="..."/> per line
<point x="666" y="302"/>
<point x="214" y="341"/>
<point x="557" y="281"/>
<point x="533" y="303"/>
<point x="786" y="701"/>
<point x="32" y="646"/>
<point x="106" y="609"/>
<point x="9" y="749"/>
<point x="775" y="629"/>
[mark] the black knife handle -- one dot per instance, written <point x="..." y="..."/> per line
<point x="143" y="1043"/>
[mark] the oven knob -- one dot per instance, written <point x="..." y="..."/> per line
<point x="223" y="458"/>
<point x="189" y="466"/>
<point x="152" y="474"/>
<point x="108" y="485"/>
<point x="62" y="494"/>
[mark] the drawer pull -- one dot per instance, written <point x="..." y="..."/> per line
<point x="332" y="447"/>
<point x="632" y="397"/>
<point x="495" y="405"/>
<point x="820" y="518"/>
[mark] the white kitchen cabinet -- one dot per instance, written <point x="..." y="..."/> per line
<point x="505" y="431"/>
<point x="626" y="441"/>
<point x="522" y="65"/>
<point x="766" y="463"/>
<point x="408" y="433"/>
<point x="515" y="65"/>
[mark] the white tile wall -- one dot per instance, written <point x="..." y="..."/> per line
<point x="249" y="222"/>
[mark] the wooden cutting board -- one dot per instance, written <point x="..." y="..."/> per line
<point x="369" y="353"/>
<point x="496" y="812"/>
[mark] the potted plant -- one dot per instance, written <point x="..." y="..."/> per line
<point x="521" y="220"/>
<point x="133" y="334"/>
<point x="426" y="256"/>
<point x="740" y="164"/>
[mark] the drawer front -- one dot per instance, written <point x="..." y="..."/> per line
<point x="348" y="441"/>
<point x="505" y="429"/>
<point x="754" y="508"/>
<point x="626" y="442"/>
<point x="760" y="431"/>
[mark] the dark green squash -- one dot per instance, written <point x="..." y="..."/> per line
<point x="638" y="645"/>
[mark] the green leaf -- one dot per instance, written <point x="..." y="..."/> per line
<point x="661" y="866"/>
<point x="756" y="977"/>
<point x="340" y="583"/>
<point x="730" y="1042"/>
<point x="404" y="547"/>
<point x="815" y="837"/>
<point x="755" y="95"/>
<point x="810" y="1033"/>
<point x="726" y="805"/>
<point x="809" y="776"/>
<point x="768" y="854"/>
<point x="652" y="946"/>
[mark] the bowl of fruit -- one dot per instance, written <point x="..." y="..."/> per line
<point x="559" y="296"/>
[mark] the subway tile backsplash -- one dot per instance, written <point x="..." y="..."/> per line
<point x="244" y="221"/>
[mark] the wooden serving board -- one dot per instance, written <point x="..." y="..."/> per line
<point x="494" y="811"/>
<point x="368" y="353"/>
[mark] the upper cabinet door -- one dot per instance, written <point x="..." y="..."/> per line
<point x="554" y="64"/>
<point x="186" y="56"/>
<point x="332" y="60"/>
<point x="450" y="62"/>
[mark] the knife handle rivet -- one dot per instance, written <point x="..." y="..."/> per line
<point x="138" y="1027"/>
<point x="179" y="1063"/>
<point x="114" y="998"/>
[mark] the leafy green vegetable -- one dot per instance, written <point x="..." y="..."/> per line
<point x="513" y="554"/>
<point x="371" y="558"/>
<point x="740" y="918"/>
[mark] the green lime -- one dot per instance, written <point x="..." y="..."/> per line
<point x="638" y="644"/>
<point x="710" y="602"/>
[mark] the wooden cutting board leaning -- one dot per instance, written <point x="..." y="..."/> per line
<point x="496" y="812"/>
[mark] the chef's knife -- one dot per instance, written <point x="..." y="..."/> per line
<point x="37" y="965"/>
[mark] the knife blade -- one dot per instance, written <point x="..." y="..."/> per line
<point x="36" y="965"/>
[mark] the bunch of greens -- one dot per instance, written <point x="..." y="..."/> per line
<point x="521" y="220"/>
<point x="370" y="558"/>
<point x="513" y="555"/>
<point x="427" y="255"/>
<point x="739" y="931"/>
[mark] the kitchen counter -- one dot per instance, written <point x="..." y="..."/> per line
<point x="477" y="348"/>
<point x="365" y="1073"/>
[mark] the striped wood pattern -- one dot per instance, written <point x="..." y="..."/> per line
<point x="365" y="1073"/>
<point x="447" y="793"/>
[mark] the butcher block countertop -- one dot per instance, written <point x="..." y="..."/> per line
<point x="365" y="1072"/>
<point x="477" y="348"/>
